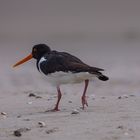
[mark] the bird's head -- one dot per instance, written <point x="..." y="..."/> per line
<point x="37" y="52"/>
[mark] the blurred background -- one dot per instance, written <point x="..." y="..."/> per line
<point x="103" y="33"/>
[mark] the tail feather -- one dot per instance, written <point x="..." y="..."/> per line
<point x="96" y="71"/>
<point x="103" y="77"/>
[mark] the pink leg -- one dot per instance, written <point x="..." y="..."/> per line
<point x="58" y="99"/>
<point x="84" y="101"/>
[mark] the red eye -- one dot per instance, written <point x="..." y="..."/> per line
<point x="34" y="50"/>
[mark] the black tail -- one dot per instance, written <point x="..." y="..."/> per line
<point x="103" y="77"/>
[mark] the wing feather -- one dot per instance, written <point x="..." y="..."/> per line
<point x="61" y="61"/>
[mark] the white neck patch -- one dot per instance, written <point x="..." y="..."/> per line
<point x="40" y="61"/>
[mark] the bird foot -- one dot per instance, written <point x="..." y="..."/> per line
<point x="84" y="102"/>
<point x="53" y="110"/>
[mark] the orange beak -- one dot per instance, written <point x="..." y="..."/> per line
<point x="24" y="60"/>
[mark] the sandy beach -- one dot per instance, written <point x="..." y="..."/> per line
<point x="110" y="115"/>
<point x="102" y="33"/>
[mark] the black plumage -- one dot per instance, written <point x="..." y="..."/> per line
<point x="65" y="62"/>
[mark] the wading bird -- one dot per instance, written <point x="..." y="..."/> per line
<point x="63" y="68"/>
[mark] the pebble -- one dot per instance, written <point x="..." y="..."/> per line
<point x="32" y="95"/>
<point x="38" y="97"/>
<point x="119" y="97"/>
<point x="41" y="124"/>
<point x="132" y="95"/>
<point x="51" y="130"/>
<point x="126" y="133"/>
<point x="30" y="103"/>
<point x="123" y="96"/>
<point x="120" y="127"/>
<point x="26" y="119"/>
<point x="19" y="116"/>
<point x="70" y="101"/>
<point x="17" y="133"/>
<point x="75" y="111"/>
<point x="93" y="96"/>
<point x="3" y="113"/>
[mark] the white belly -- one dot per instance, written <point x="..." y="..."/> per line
<point x="59" y="78"/>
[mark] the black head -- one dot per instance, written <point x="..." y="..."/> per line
<point x="39" y="50"/>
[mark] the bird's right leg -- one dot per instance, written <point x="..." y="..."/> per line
<point x="83" y="98"/>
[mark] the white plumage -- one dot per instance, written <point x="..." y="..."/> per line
<point x="59" y="78"/>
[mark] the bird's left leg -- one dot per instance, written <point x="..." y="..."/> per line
<point x="83" y="98"/>
<point x="58" y="99"/>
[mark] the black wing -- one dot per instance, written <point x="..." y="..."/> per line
<point x="62" y="61"/>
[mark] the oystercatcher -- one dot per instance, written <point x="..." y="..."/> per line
<point x="63" y="68"/>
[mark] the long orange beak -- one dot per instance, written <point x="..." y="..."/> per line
<point x="23" y="60"/>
